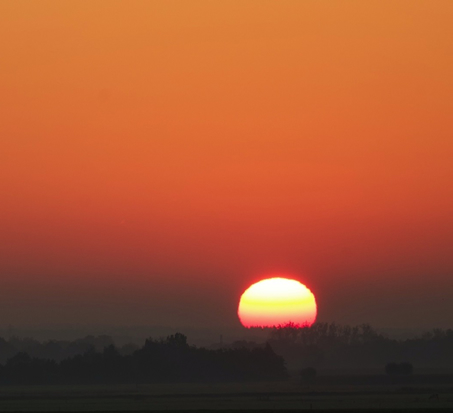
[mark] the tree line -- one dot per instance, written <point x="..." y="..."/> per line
<point x="57" y="349"/>
<point x="323" y="345"/>
<point x="331" y="345"/>
<point x="165" y="360"/>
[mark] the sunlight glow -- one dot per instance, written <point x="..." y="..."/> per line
<point x="276" y="302"/>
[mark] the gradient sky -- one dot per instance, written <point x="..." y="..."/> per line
<point x="156" y="158"/>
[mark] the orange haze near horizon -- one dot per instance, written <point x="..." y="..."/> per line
<point x="156" y="158"/>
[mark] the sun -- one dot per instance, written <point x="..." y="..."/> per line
<point x="275" y="302"/>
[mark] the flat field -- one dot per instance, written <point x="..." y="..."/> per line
<point x="223" y="396"/>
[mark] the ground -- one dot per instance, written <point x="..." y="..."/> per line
<point x="231" y="396"/>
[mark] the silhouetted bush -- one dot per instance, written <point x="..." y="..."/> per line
<point x="406" y="369"/>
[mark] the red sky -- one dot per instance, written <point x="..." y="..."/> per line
<point x="156" y="158"/>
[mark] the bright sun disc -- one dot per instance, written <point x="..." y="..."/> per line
<point x="277" y="302"/>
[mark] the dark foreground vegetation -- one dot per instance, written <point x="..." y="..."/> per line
<point x="305" y="352"/>
<point x="332" y="346"/>
<point x="58" y="349"/>
<point x="169" y="360"/>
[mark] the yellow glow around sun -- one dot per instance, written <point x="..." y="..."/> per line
<point x="277" y="301"/>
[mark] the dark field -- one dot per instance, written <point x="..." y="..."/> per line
<point x="233" y="396"/>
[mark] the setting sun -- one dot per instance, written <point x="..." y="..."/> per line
<point x="277" y="301"/>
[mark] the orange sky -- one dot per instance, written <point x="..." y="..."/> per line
<point x="156" y="158"/>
